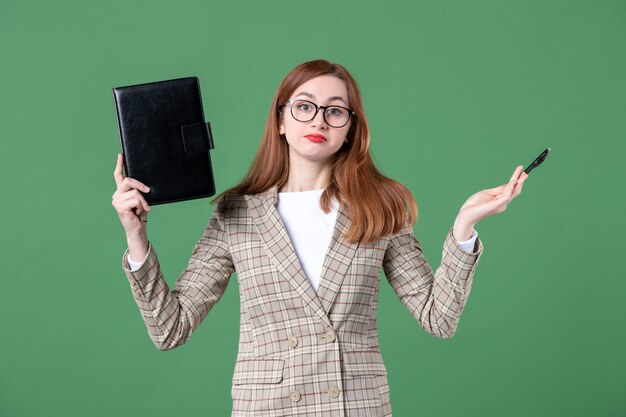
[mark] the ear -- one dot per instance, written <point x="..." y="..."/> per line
<point x="281" y="128"/>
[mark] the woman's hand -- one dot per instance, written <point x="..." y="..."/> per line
<point x="486" y="203"/>
<point x="131" y="206"/>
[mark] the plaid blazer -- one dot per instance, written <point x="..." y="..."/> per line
<point x="302" y="353"/>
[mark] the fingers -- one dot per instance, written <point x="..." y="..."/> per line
<point x="144" y="217"/>
<point x="139" y="202"/>
<point x="130" y="183"/>
<point x="495" y="200"/>
<point x="130" y="201"/>
<point x="518" y="186"/>
<point x="126" y="183"/>
<point x="517" y="173"/>
<point x="127" y="197"/>
<point x="117" y="173"/>
<point x="513" y="180"/>
<point x="496" y="191"/>
<point x="513" y="188"/>
<point x="517" y="180"/>
<point x="504" y="188"/>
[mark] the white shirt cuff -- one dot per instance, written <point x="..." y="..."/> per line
<point x="133" y="265"/>
<point x="466" y="245"/>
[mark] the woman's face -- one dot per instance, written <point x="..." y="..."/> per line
<point x="316" y="140"/>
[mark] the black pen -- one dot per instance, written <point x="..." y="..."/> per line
<point x="534" y="164"/>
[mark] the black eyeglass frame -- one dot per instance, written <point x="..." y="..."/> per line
<point x="351" y="113"/>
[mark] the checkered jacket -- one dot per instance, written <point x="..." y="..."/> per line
<point x="302" y="353"/>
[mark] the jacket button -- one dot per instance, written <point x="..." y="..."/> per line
<point x="333" y="391"/>
<point x="295" y="396"/>
<point x="293" y="342"/>
<point x="329" y="336"/>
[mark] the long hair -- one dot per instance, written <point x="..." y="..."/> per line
<point x="378" y="205"/>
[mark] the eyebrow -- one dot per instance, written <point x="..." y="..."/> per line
<point x="304" y="93"/>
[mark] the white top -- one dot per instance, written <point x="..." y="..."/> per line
<point x="310" y="230"/>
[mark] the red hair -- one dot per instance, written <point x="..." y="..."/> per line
<point x="378" y="205"/>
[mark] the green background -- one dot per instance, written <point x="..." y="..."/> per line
<point x="457" y="94"/>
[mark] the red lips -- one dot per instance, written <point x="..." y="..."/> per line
<point x="315" y="137"/>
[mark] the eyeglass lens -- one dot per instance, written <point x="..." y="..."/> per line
<point x="305" y="111"/>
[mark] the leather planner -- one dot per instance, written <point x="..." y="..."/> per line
<point x="165" y="139"/>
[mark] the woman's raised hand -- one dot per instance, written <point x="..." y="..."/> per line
<point x="488" y="202"/>
<point x="131" y="206"/>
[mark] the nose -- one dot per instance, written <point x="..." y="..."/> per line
<point x="319" y="119"/>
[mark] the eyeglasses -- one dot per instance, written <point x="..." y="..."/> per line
<point x="305" y="111"/>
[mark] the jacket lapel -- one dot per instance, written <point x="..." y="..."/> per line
<point x="337" y="260"/>
<point x="279" y="248"/>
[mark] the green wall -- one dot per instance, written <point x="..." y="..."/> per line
<point x="457" y="94"/>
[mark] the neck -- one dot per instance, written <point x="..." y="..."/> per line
<point x="306" y="176"/>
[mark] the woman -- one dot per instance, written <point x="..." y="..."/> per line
<point x="307" y="232"/>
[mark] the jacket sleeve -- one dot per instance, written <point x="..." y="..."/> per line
<point x="172" y="316"/>
<point x="436" y="300"/>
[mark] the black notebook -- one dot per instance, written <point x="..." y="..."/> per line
<point x="165" y="139"/>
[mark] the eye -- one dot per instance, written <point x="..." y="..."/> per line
<point x="335" y="111"/>
<point x="304" y="106"/>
